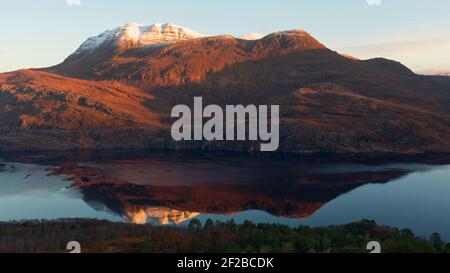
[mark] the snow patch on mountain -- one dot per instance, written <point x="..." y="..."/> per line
<point x="137" y="35"/>
<point x="95" y="42"/>
<point x="252" y="36"/>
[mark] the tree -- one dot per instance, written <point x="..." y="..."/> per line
<point x="447" y="248"/>
<point x="145" y="247"/>
<point x="436" y="241"/>
<point x="302" y="244"/>
<point x="248" y="225"/>
<point x="209" y="225"/>
<point x="231" y="225"/>
<point x="288" y="247"/>
<point x="407" y="232"/>
<point x="196" y="246"/>
<point x="195" y="225"/>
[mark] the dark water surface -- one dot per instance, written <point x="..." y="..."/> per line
<point x="172" y="189"/>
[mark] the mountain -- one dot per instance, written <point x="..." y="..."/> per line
<point x="186" y="61"/>
<point x="134" y="35"/>
<point x="251" y="36"/>
<point x="443" y="78"/>
<point x="117" y="91"/>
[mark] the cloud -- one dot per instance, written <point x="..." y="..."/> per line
<point x="73" y="2"/>
<point x="374" y="2"/>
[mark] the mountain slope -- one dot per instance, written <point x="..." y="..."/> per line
<point x="283" y="61"/>
<point x="329" y="102"/>
<point x="43" y="111"/>
<point x="39" y="100"/>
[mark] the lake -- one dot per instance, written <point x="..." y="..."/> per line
<point x="172" y="189"/>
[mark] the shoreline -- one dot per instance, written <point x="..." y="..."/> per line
<point x="100" y="236"/>
<point x="441" y="157"/>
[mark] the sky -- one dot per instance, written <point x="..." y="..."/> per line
<point x="414" y="32"/>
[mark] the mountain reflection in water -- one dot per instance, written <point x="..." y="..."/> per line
<point x="171" y="189"/>
<point x="290" y="196"/>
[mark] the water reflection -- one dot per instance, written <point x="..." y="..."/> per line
<point x="171" y="189"/>
<point x="289" y="196"/>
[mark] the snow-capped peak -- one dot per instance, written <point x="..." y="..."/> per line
<point x="137" y="35"/>
<point x="296" y="32"/>
<point x="252" y="36"/>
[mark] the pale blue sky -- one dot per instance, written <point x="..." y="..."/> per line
<point x="415" y="32"/>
